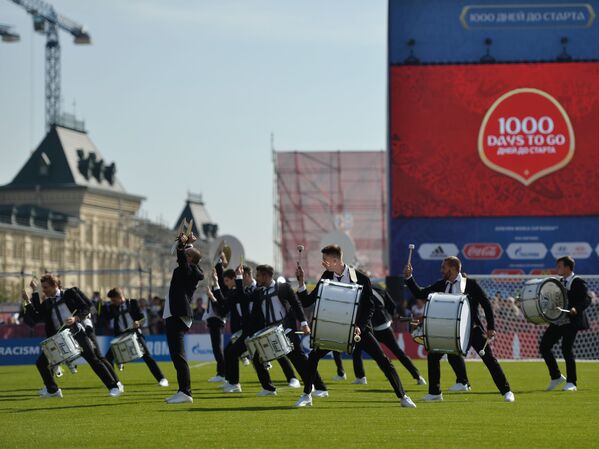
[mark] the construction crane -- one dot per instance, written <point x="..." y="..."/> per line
<point x="47" y="21"/>
<point x="7" y="34"/>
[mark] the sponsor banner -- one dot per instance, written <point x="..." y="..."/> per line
<point x="526" y="251"/>
<point x="441" y="31"/>
<point x="578" y="250"/>
<point x="486" y="251"/>
<point x="20" y="351"/>
<point x="528" y="244"/>
<point x="493" y="140"/>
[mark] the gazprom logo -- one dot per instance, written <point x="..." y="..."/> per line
<point x="526" y="251"/>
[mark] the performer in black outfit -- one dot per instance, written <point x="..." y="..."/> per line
<point x="578" y="300"/>
<point x="276" y="303"/>
<point x="126" y="315"/>
<point x="69" y="308"/>
<point x="452" y="282"/>
<point x="384" y="308"/>
<point x="216" y="318"/>
<point x="332" y="261"/>
<point x="178" y="313"/>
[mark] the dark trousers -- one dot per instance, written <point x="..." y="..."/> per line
<point x="387" y="338"/>
<point x="298" y="359"/>
<point x="551" y="336"/>
<point x="285" y="365"/>
<point x="91" y="334"/>
<point x="233" y="351"/>
<point x="175" y="334"/>
<point x="154" y="368"/>
<point x="90" y="356"/>
<point x="372" y="348"/>
<point x="477" y="341"/>
<point x="338" y="363"/>
<point x="216" y="328"/>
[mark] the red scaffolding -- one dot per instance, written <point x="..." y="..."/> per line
<point x="320" y="192"/>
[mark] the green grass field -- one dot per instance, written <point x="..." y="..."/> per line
<point x="353" y="415"/>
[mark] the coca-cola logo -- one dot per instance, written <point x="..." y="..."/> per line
<point x="488" y="251"/>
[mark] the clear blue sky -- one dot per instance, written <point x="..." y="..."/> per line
<point x="183" y="95"/>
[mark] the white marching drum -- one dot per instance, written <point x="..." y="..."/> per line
<point x="61" y="348"/>
<point x="542" y="299"/>
<point x="447" y="323"/>
<point x="270" y="343"/>
<point x="126" y="348"/>
<point x="334" y="318"/>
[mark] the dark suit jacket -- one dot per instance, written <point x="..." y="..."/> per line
<point x="383" y="311"/>
<point x="365" y="307"/>
<point x="183" y="284"/>
<point x="476" y="296"/>
<point x="40" y="312"/>
<point x="289" y="300"/>
<point x="228" y="299"/>
<point x="114" y="313"/>
<point x="577" y="298"/>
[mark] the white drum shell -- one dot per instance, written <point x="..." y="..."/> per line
<point x="447" y="323"/>
<point x="270" y="343"/>
<point x="126" y="348"/>
<point x="61" y="348"/>
<point x="539" y="308"/>
<point x="335" y="316"/>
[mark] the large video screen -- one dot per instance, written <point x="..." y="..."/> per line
<point x="494" y="140"/>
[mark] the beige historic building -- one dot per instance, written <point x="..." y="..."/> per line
<point x="66" y="212"/>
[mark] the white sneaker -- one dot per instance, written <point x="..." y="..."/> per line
<point x="321" y="393"/>
<point x="459" y="387"/>
<point x="121" y="366"/>
<point x="360" y="381"/>
<point x="163" y="382"/>
<point x="216" y="379"/>
<point x="45" y="395"/>
<point x="268" y="366"/>
<point x="569" y="387"/>
<point x="232" y="388"/>
<point x="58" y="371"/>
<point x="114" y="392"/>
<point x="433" y="397"/>
<point x="72" y="368"/>
<point x="267" y="393"/>
<point x="555" y="382"/>
<point x="407" y="402"/>
<point x="509" y="397"/>
<point x="179" y="398"/>
<point x="225" y="385"/>
<point x="120" y="386"/>
<point x="294" y="383"/>
<point x="339" y="378"/>
<point x="305" y="400"/>
<point x="245" y="361"/>
<point x="421" y="381"/>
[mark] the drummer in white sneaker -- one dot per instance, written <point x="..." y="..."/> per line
<point x="454" y="282"/>
<point x="332" y="261"/>
<point x="576" y="320"/>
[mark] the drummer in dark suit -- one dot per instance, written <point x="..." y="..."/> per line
<point x="337" y="270"/>
<point x="578" y="301"/>
<point x="454" y="282"/>
<point x="126" y="316"/>
<point x="66" y="309"/>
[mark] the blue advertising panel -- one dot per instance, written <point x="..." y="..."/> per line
<point x="455" y="31"/>
<point x="495" y="245"/>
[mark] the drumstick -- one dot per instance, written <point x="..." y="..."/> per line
<point x="411" y="249"/>
<point x="300" y="249"/>
<point x="563" y="310"/>
<point x="64" y="324"/>
<point x="357" y="339"/>
<point x="482" y="351"/>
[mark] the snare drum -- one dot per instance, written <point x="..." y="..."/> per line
<point x="61" y="348"/>
<point x="541" y="300"/>
<point x="126" y="348"/>
<point x="270" y="343"/>
<point x="447" y="323"/>
<point x="335" y="316"/>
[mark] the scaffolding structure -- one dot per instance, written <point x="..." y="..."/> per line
<point x="317" y="193"/>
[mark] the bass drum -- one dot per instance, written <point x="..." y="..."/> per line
<point x="541" y="300"/>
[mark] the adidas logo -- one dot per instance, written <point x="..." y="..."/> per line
<point x="438" y="252"/>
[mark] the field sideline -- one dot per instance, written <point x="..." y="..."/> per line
<point x="353" y="416"/>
